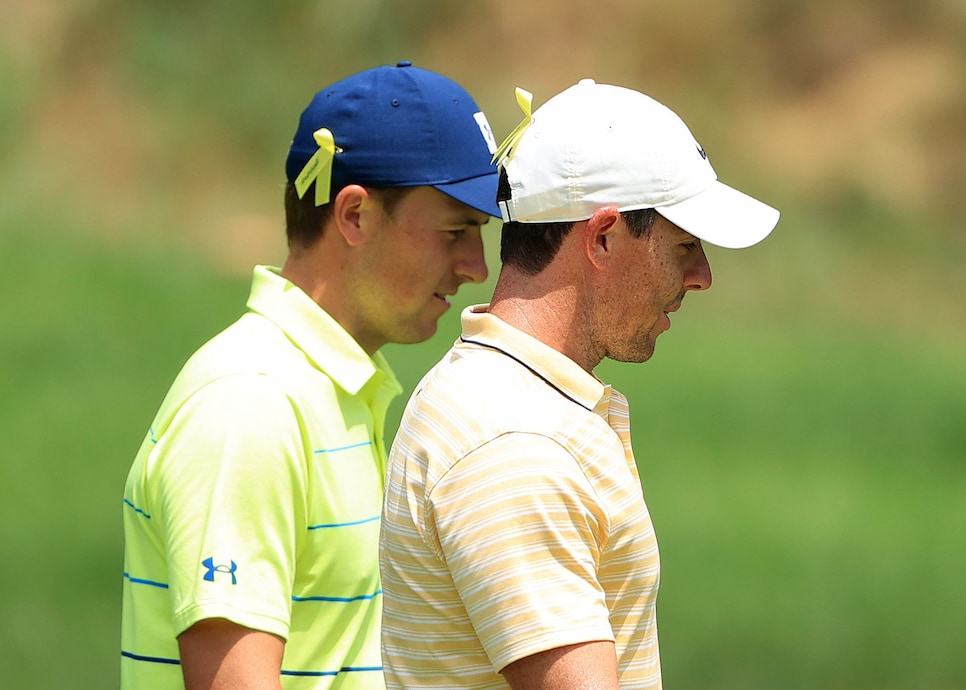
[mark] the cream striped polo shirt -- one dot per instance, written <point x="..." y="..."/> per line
<point x="514" y="520"/>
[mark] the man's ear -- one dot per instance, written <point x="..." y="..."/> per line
<point x="599" y="234"/>
<point x="349" y="209"/>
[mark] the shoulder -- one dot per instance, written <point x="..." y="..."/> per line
<point x="476" y="396"/>
<point x="250" y="373"/>
<point x="486" y="383"/>
<point x="253" y="350"/>
<point x="253" y="344"/>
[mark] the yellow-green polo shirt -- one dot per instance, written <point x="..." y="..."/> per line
<point x="514" y="519"/>
<point x="256" y="497"/>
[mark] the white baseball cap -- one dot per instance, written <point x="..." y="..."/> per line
<point x="596" y="145"/>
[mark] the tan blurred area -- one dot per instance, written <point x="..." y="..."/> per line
<point x="176" y="116"/>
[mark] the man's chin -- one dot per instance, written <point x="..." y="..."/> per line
<point x="635" y="353"/>
<point x="416" y="336"/>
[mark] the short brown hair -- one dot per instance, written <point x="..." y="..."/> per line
<point x="530" y="247"/>
<point x="304" y="220"/>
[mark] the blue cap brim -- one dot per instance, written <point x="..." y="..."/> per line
<point x="476" y="192"/>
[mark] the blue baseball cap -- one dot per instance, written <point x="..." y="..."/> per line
<point x="401" y="126"/>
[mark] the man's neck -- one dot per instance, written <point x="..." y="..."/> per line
<point x="547" y="309"/>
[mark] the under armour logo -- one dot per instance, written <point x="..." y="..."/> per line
<point x="701" y="151"/>
<point x="209" y="563"/>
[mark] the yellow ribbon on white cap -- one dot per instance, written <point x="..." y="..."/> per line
<point x="505" y="150"/>
<point x="319" y="168"/>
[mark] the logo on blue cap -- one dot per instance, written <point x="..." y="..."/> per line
<point x="400" y="127"/>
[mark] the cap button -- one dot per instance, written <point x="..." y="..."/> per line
<point x="404" y="63"/>
<point x="586" y="82"/>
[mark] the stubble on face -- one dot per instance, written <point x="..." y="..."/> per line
<point x="647" y="283"/>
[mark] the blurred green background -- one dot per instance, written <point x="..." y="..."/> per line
<point x="801" y="432"/>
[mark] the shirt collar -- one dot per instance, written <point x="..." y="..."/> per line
<point x="561" y="372"/>
<point x="323" y="340"/>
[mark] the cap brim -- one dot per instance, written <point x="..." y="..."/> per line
<point x="476" y="192"/>
<point x="723" y="216"/>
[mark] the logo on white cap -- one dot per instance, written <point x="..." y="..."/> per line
<point x="596" y="144"/>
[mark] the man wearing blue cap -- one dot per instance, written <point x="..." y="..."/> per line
<point x="251" y="513"/>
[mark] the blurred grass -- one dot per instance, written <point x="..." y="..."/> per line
<point x="801" y="431"/>
<point x="806" y="481"/>
<point x="90" y="338"/>
<point x="809" y="497"/>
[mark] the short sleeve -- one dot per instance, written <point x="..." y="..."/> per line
<point x="522" y="531"/>
<point x="230" y="475"/>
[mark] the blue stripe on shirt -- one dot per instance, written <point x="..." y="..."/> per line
<point x="347" y="669"/>
<point x="141" y="581"/>
<point x="136" y="509"/>
<point x="313" y="674"/>
<point x="345" y="524"/>
<point x="343" y="600"/>
<point x="336" y="450"/>
<point x="152" y="659"/>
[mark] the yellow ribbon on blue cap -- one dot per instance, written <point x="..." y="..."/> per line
<point x="505" y="150"/>
<point x="319" y="168"/>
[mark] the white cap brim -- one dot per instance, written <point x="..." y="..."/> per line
<point x="723" y="216"/>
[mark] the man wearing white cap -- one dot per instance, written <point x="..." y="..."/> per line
<point x="517" y="550"/>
